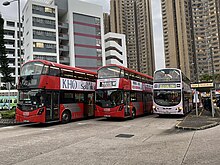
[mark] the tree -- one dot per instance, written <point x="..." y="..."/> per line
<point x="206" y="78"/>
<point x="209" y="78"/>
<point x="217" y="77"/>
<point x="4" y="69"/>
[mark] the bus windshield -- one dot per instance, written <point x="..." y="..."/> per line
<point x="32" y="68"/>
<point x="30" y="97"/>
<point x="167" y="75"/>
<point x="109" y="72"/>
<point x="109" y="98"/>
<point x="167" y="97"/>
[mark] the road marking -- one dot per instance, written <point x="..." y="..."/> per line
<point x="81" y="123"/>
<point x="127" y="126"/>
<point x="47" y="129"/>
<point x="7" y="127"/>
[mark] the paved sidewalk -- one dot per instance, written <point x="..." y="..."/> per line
<point x="203" y="121"/>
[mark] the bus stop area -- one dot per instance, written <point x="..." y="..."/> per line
<point x="203" y="121"/>
<point x="201" y="117"/>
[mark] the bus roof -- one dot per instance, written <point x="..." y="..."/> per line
<point x="129" y="70"/>
<point x="167" y="69"/>
<point x="49" y="63"/>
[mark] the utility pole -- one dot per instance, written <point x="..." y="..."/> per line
<point x="213" y="80"/>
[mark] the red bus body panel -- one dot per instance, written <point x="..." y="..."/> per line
<point x="32" y="116"/>
<point x="49" y="82"/>
<point x="109" y="112"/>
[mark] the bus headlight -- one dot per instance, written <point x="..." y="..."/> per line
<point x="40" y="111"/>
<point x="180" y="109"/>
<point x="120" y="108"/>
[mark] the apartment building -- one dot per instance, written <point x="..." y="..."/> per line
<point x="11" y="39"/>
<point x="178" y="36"/>
<point x="191" y="36"/>
<point x="67" y="32"/>
<point x="206" y="16"/>
<point x="134" y="19"/>
<point x="107" y="27"/>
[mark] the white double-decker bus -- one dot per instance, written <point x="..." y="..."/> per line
<point x="171" y="92"/>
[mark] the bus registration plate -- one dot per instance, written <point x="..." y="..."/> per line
<point x="25" y="113"/>
<point x="106" y="109"/>
<point x="107" y="115"/>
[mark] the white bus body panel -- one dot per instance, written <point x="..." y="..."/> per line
<point x="178" y="109"/>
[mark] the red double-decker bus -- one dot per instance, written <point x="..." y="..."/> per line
<point x="122" y="92"/>
<point x="54" y="92"/>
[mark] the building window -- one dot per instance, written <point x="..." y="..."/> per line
<point x="49" y="10"/>
<point x="48" y="58"/>
<point x="38" y="8"/>
<point x="38" y="45"/>
<point x="9" y="23"/>
<point x="18" y="24"/>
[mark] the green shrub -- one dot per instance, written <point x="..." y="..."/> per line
<point x="8" y="114"/>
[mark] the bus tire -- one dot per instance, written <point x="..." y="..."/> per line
<point x="66" y="117"/>
<point x="13" y="108"/>
<point x="133" y="113"/>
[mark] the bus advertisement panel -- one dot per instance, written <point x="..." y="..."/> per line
<point x="54" y="92"/>
<point x="122" y="92"/>
<point x="171" y="92"/>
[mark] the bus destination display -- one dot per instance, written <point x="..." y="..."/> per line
<point x="167" y="86"/>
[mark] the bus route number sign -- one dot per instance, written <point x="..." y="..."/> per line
<point x="108" y="84"/>
<point x="167" y="86"/>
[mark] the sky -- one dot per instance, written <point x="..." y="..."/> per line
<point x="12" y="12"/>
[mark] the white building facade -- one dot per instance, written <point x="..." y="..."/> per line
<point x="115" y="49"/>
<point x="68" y="32"/>
<point x="11" y="39"/>
<point x="40" y="22"/>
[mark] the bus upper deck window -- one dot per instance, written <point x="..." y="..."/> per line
<point x="54" y="71"/>
<point x="45" y="69"/>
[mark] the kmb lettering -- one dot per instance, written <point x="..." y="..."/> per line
<point x="69" y="84"/>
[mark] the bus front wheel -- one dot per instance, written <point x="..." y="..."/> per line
<point x="66" y="117"/>
<point x="133" y="114"/>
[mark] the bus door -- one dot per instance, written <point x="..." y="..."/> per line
<point x="145" y="101"/>
<point x="52" y="106"/>
<point x="127" y="103"/>
<point x="89" y="105"/>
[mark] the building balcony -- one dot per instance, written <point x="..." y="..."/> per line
<point x="64" y="60"/>
<point x="11" y="65"/>
<point x="63" y="37"/>
<point x="64" y="48"/>
<point x="8" y="37"/>
<point x="63" y="25"/>
<point x="9" y="46"/>
<point x="10" y="55"/>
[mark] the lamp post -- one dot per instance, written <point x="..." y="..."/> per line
<point x="6" y="3"/>
<point x="213" y="73"/>
<point x="195" y="90"/>
<point x="213" y="80"/>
